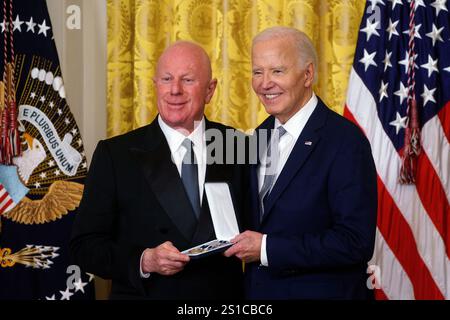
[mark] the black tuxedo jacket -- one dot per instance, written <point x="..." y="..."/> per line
<point x="134" y="199"/>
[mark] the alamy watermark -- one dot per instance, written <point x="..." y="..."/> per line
<point x="74" y="273"/>
<point x="73" y="20"/>
<point x="232" y="147"/>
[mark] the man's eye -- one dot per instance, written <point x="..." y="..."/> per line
<point x="277" y="71"/>
<point x="188" y="80"/>
<point x="165" y="79"/>
<point x="257" y="73"/>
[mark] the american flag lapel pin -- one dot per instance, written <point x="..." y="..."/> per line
<point x="308" y="143"/>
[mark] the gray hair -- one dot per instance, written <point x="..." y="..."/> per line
<point x="306" y="52"/>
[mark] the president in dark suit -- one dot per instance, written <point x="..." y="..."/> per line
<point x="144" y="199"/>
<point x="313" y="191"/>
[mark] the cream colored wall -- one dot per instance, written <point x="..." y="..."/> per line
<point x="82" y="54"/>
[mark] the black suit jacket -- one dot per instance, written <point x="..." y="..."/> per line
<point x="134" y="199"/>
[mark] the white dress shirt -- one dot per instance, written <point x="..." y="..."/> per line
<point x="177" y="150"/>
<point x="294" y="127"/>
<point x="175" y="139"/>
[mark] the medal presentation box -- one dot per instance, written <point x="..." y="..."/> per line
<point x="224" y="221"/>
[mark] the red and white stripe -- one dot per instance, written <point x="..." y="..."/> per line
<point x="413" y="228"/>
<point x="6" y="202"/>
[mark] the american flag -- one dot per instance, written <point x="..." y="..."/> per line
<point x="6" y="202"/>
<point x="412" y="247"/>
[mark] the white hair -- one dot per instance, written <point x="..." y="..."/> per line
<point x="306" y="52"/>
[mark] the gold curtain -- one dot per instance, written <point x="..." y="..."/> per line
<point x="139" y="30"/>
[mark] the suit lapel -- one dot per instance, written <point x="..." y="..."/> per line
<point x="205" y="228"/>
<point x="305" y="145"/>
<point x="162" y="175"/>
<point x="254" y="197"/>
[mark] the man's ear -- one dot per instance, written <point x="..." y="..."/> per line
<point x="210" y="90"/>
<point x="309" y="75"/>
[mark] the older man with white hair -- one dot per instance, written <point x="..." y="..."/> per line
<point x="313" y="191"/>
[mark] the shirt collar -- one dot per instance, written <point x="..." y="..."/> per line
<point x="175" y="138"/>
<point x="297" y="122"/>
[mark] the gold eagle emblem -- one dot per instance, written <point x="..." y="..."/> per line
<point x="61" y="197"/>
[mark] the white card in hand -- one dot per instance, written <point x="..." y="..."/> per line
<point x="223" y="218"/>
<point x="222" y="210"/>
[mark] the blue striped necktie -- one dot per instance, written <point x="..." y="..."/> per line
<point x="271" y="166"/>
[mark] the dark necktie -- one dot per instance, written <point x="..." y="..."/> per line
<point x="189" y="176"/>
<point x="272" y="159"/>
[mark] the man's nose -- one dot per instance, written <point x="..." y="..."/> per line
<point x="176" y="88"/>
<point x="267" y="82"/>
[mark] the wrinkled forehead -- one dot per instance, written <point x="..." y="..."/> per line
<point x="274" y="51"/>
